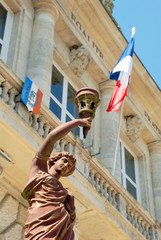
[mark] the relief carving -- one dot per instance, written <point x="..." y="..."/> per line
<point x="134" y="127"/>
<point x="79" y="60"/>
<point x="108" y="4"/>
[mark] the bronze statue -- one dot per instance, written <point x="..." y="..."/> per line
<point x="51" y="206"/>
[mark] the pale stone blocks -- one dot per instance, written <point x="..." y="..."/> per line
<point x="22" y="214"/>
<point x="8" y="212"/>
<point x="15" y="232"/>
<point x="12" y="216"/>
<point x="3" y="192"/>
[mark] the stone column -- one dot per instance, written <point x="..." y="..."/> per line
<point x="109" y="128"/>
<point x="155" y="158"/>
<point x="42" y="44"/>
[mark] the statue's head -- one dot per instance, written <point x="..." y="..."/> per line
<point x="63" y="162"/>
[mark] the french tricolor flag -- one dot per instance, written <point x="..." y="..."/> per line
<point x="122" y="73"/>
<point x="31" y="96"/>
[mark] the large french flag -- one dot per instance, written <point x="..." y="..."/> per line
<point x="122" y="73"/>
<point x="31" y="96"/>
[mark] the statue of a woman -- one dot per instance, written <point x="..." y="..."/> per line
<point x="51" y="206"/>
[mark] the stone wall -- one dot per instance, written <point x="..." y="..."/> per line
<point x="13" y="216"/>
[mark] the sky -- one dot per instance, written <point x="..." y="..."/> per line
<point x="145" y="16"/>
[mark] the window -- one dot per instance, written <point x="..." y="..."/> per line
<point x="6" y="20"/>
<point x="62" y="99"/>
<point x="129" y="172"/>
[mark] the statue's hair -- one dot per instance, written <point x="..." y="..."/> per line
<point x="56" y="156"/>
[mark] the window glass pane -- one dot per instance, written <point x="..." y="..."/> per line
<point x="71" y="106"/>
<point x="75" y="131"/>
<point x="130" y="188"/>
<point x="129" y="164"/>
<point x="3" y="14"/>
<point x="122" y="179"/>
<point x="57" y="84"/>
<point x="55" y="108"/>
<point x="0" y="48"/>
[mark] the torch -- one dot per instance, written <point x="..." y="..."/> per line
<point x="87" y="100"/>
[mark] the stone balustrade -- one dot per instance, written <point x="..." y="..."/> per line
<point x="100" y="178"/>
<point x="103" y="187"/>
<point x="139" y="222"/>
<point x="103" y="182"/>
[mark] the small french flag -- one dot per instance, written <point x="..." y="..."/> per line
<point x="31" y="96"/>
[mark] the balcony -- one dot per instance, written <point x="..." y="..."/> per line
<point x="126" y="211"/>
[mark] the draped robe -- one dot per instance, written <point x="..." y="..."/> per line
<point x="50" y="215"/>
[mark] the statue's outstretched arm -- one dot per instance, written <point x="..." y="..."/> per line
<point x="47" y="145"/>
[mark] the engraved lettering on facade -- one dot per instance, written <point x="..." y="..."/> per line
<point x="152" y="123"/>
<point x="86" y="36"/>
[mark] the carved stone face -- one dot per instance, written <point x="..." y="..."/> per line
<point x="134" y="127"/>
<point x="79" y="60"/>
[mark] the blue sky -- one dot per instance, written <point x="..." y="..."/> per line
<point x="145" y="16"/>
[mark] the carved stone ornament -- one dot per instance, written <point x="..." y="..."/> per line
<point x="134" y="127"/>
<point x="79" y="60"/>
<point x="108" y="4"/>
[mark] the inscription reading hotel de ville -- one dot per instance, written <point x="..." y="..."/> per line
<point x="86" y="35"/>
<point x="152" y="123"/>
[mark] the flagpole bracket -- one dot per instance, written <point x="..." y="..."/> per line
<point x="87" y="147"/>
<point x="96" y="154"/>
<point x="92" y="154"/>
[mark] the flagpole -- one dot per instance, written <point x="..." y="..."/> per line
<point x="117" y="140"/>
<point x="121" y="73"/>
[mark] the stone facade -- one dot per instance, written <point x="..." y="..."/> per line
<point x="81" y="40"/>
<point x="13" y="216"/>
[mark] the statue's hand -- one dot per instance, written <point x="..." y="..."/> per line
<point x="85" y="122"/>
